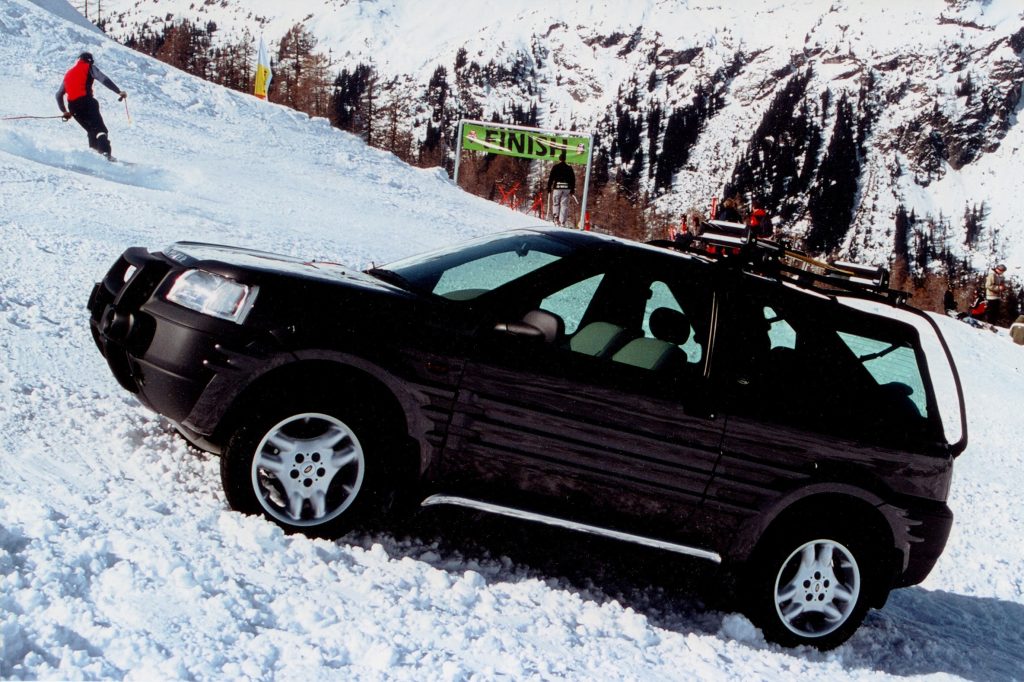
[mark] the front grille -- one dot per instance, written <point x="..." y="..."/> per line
<point x="114" y="309"/>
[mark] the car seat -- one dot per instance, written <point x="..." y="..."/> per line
<point x="599" y="339"/>
<point x="671" y="329"/>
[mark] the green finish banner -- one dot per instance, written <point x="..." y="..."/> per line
<point x="525" y="143"/>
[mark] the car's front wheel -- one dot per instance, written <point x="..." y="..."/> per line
<point x="811" y="586"/>
<point x="309" y="470"/>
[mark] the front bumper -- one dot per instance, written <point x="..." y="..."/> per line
<point x="166" y="355"/>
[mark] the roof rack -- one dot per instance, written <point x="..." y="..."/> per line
<point x="736" y="244"/>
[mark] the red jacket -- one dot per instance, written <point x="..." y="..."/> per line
<point x="759" y="224"/>
<point x="78" y="80"/>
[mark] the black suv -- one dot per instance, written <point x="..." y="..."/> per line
<point x="734" y="401"/>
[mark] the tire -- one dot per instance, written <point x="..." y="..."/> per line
<point x="314" y="468"/>
<point x="811" y="585"/>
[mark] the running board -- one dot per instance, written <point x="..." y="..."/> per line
<point x="571" y="525"/>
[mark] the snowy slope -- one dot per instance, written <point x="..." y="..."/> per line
<point x="119" y="558"/>
<point x="929" y="148"/>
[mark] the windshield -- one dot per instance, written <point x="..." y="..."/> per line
<point x="472" y="269"/>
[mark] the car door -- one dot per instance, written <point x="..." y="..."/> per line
<point x="594" y="425"/>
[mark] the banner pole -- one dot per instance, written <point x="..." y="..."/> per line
<point x="586" y="182"/>
<point x="458" y="152"/>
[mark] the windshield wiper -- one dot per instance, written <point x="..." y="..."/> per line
<point x="392" y="277"/>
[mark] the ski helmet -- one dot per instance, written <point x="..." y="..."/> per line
<point x="86" y="57"/>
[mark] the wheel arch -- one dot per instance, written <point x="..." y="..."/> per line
<point x="325" y="376"/>
<point x="850" y="506"/>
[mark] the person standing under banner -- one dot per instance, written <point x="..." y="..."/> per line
<point x="77" y="86"/>
<point x="561" y="185"/>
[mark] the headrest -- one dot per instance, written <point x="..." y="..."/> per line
<point x="670" y="325"/>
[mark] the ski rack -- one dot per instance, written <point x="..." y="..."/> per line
<point x="734" y="243"/>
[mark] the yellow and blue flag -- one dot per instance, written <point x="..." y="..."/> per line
<point x="263" y="73"/>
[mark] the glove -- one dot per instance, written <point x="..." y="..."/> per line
<point x="67" y="115"/>
<point x="121" y="95"/>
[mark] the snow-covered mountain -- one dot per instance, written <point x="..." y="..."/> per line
<point x="120" y="560"/>
<point x="916" y="101"/>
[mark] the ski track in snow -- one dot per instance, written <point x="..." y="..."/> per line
<point x="120" y="559"/>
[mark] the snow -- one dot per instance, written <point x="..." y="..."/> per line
<point x="120" y="560"/>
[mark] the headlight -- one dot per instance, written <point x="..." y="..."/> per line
<point x="213" y="295"/>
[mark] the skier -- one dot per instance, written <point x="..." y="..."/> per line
<point x="77" y="86"/>
<point x="561" y="185"/>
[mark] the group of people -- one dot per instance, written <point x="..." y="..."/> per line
<point x="988" y="304"/>
<point x="757" y="219"/>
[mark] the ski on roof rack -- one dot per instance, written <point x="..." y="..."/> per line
<point x="736" y="244"/>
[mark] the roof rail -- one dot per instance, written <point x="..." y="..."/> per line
<point x="736" y="244"/>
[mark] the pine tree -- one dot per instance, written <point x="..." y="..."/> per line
<point x="347" y="97"/>
<point x="433" y="150"/>
<point x="974" y="222"/>
<point x="781" y="158"/>
<point x="292" y="75"/>
<point x="901" y="235"/>
<point x="653" y="133"/>
<point x="831" y="198"/>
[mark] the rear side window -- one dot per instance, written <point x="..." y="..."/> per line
<point x="812" y="364"/>
<point x="890" y="364"/>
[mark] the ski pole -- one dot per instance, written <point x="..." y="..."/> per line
<point x="17" y="118"/>
<point x="126" y="111"/>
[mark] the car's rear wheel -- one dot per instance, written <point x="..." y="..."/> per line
<point x="310" y="469"/>
<point x="809" y="584"/>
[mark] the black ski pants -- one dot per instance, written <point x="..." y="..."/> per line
<point x="86" y="111"/>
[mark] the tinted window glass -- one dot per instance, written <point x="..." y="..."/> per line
<point x="780" y="333"/>
<point x="481" y="275"/>
<point x="805" y="361"/>
<point x="890" y="364"/>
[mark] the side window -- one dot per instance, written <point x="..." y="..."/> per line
<point x="816" y="366"/>
<point x="631" y="319"/>
<point x="894" y="367"/>
<point x="572" y="302"/>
